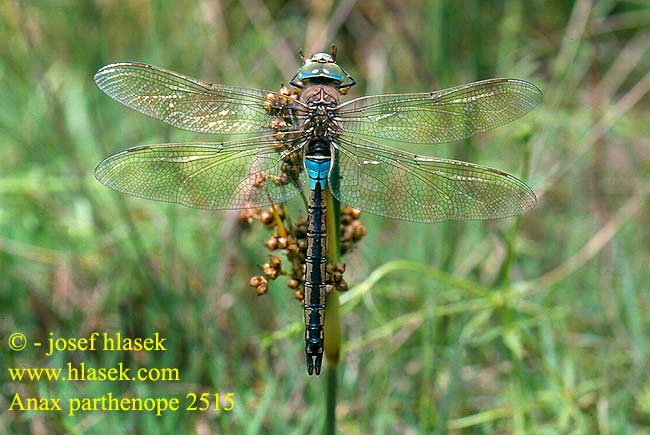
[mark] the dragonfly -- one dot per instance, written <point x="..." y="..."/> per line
<point x="306" y="138"/>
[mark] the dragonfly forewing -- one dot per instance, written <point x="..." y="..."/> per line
<point x="185" y="102"/>
<point x="441" y="116"/>
<point x="399" y="185"/>
<point x="232" y="175"/>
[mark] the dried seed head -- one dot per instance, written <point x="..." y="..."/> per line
<point x="301" y="229"/>
<point x="293" y="249"/>
<point x="256" y="281"/>
<point x="260" y="179"/>
<point x="272" y="243"/>
<point x="273" y="268"/>
<point x="275" y="261"/>
<point x="268" y="105"/>
<point x="266" y="217"/>
<point x="278" y="124"/>
<point x="262" y="289"/>
<point x="299" y="273"/>
<point x="281" y="180"/>
<point x="246" y="216"/>
<point x="282" y="242"/>
<point x="269" y="271"/>
<point x="358" y="230"/>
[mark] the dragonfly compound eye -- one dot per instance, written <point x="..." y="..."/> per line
<point x="321" y="72"/>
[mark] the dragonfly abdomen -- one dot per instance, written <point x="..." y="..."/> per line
<point x="317" y="163"/>
<point x="315" y="266"/>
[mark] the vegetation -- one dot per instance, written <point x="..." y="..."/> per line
<point x="531" y="325"/>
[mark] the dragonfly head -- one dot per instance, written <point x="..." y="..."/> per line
<point x="322" y="68"/>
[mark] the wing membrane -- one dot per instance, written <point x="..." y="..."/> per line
<point x="232" y="175"/>
<point x="440" y="116"/>
<point x="185" y="102"/>
<point x="398" y="185"/>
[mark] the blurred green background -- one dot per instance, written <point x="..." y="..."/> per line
<point x="534" y="325"/>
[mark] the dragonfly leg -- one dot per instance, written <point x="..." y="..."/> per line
<point x="296" y="83"/>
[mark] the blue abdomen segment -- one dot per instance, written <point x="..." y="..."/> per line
<point x="317" y="171"/>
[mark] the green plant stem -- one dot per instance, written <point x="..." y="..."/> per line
<point x="332" y="314"/>
<point x="503" y="277"/>
<point x="331" y="379"/>
<point x="333" y="330"/>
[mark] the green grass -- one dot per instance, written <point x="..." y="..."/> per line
<point x="532" y="325"/>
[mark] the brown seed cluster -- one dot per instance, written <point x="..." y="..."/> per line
<point x="260" y="283"/>
<point x="277" y="103"/>
<point x="291" y="238"/>
<point x="335" y="278"/>
<point x="282" y="106"/>
<point x="352" y="230"/>
<point x="248" y="215"/>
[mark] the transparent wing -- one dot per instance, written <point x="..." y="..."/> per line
<point x="395" y="184"/>
<point x="233" y="175"/>
<point x="185" y="102"/>
<point x="440" y="116"/>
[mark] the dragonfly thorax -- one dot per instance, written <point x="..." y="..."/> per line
<point x="320" y="121"/>
<point x="320" y="95"/>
